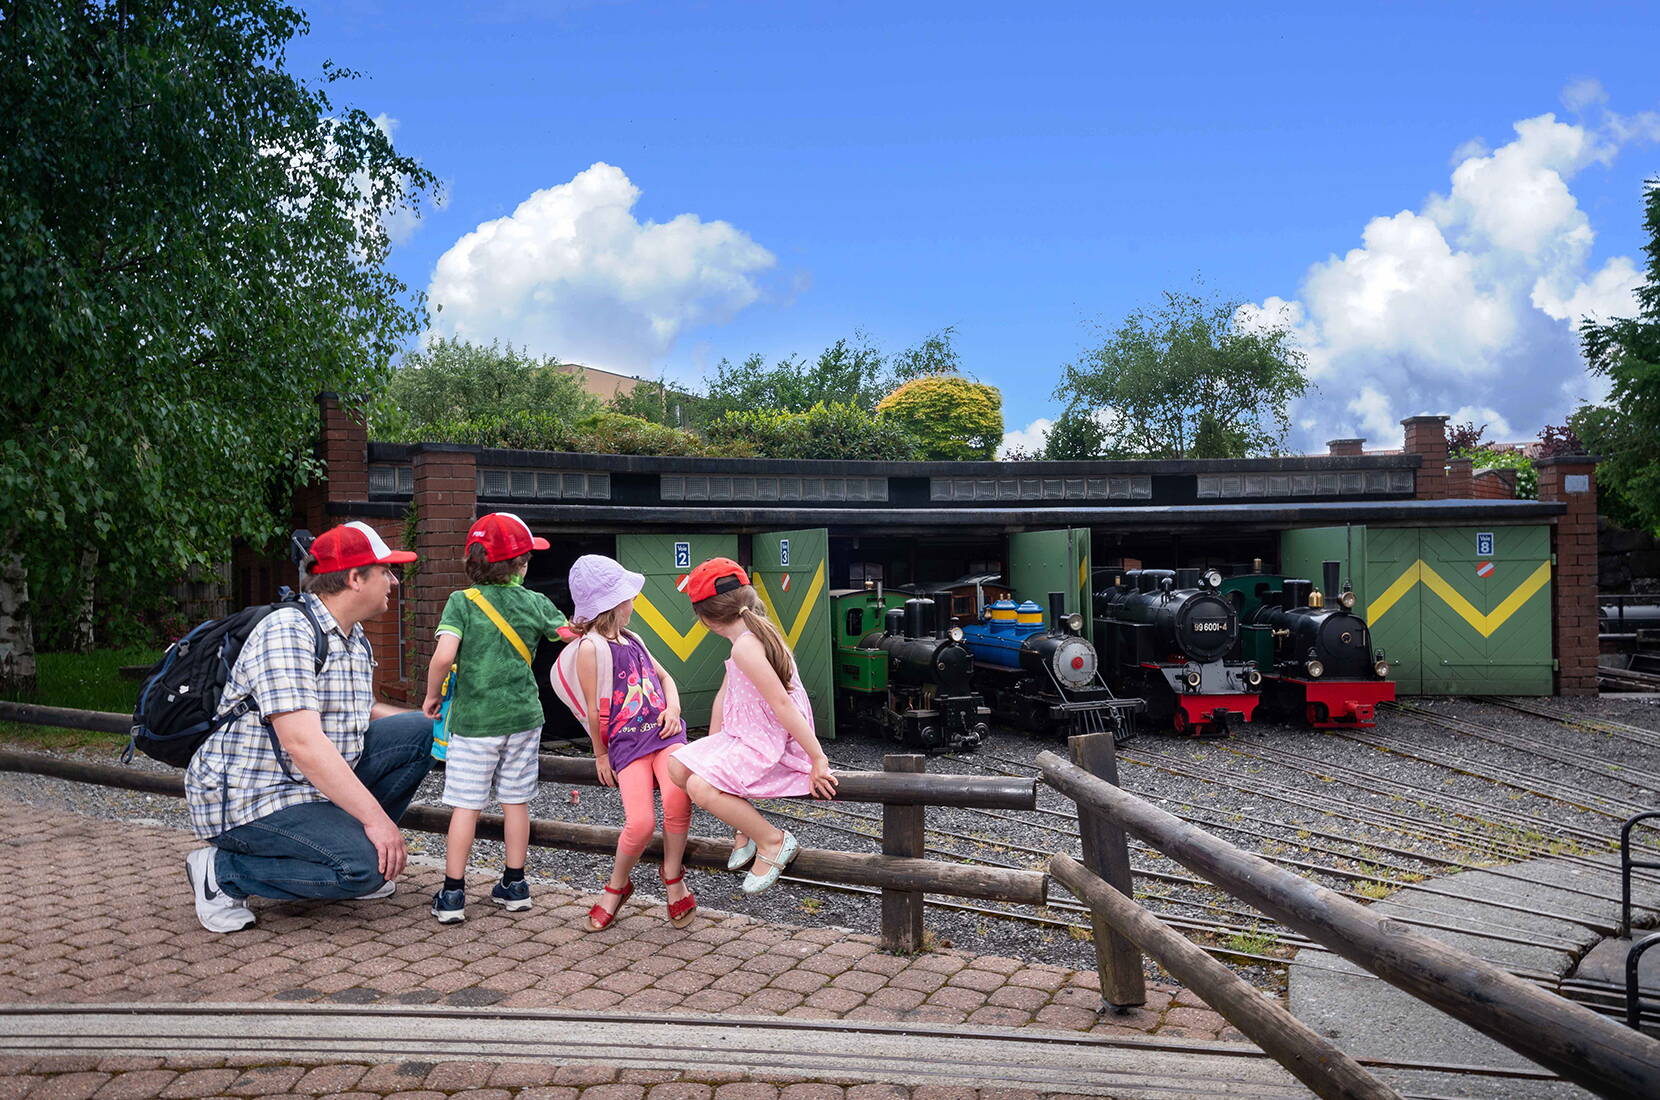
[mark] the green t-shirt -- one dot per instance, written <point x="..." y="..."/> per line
<point x="494" y="693"/>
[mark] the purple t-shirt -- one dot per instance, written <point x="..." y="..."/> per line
<point x="637" y="703"/>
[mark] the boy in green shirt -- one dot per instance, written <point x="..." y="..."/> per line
<point x="489" y="633"/>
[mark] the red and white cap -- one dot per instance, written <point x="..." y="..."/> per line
<point x="504" y="536"/>
<point x="352" y="546"/>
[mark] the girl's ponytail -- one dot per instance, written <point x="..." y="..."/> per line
<point x="743" y="603"/>
<point x="772" y="639"/>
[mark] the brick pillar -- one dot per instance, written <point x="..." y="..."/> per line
<point x="1347" y="448"/>
<point x="1460" y="479"/>
<point x="345" y="450"/>
<point x="1572" y="479"/>
<point x="445" y="505"/>
<point x="1426" y="436"/>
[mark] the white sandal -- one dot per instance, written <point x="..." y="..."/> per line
<point x="754" y="883"/>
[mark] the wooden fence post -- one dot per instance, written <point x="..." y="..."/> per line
<point x="1107" y="855"/>
<point x="902" y="836"/>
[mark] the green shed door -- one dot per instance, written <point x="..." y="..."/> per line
<point x="1393" y="602"/>
<point x="663" y="615"/>
<point x="1041" y="562"/>
<point x="1486" y="610"/>
<point x="790" y="571"/>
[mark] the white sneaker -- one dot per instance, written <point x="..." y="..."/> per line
<point x="217" y="910"/>
<point x="387" y="889"/>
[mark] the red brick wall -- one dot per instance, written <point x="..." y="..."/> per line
<point x="1460" y="484"/>
<point x="446" y="503"/>
<point x="1572" y="479"/>
<point x="1494" y="485"/>
<point x="345" y="451"/>
<point x="1427" y="436"/>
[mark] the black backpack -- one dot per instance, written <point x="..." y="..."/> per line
<point x="178" y="707"/>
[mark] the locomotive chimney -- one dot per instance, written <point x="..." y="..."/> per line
<point x="894" y="622"/>
<point x="919" y="617"/>
<point x="1187" y="578"/>
<point x="1057" y="610"/>
<point x="1329" y="576"/>
<point x="1296" y="592"/>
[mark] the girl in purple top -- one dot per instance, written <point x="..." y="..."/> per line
<point x="633" y="727"/>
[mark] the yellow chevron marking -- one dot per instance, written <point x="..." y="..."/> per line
<point x="793" y="632"/>
<point x="1484" y="625"/>
<point x="1391" y="595"/>
<point x="683" y="645"/>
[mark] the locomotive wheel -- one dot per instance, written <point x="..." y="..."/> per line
<point x="1179" y="722"/>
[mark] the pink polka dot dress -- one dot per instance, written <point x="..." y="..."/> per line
<point x="753" y="755"/>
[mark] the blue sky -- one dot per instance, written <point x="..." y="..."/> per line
<point x="774" y="176"/>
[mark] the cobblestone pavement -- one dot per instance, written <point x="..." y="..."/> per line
<point x="102" y="912"/>
<point x="128" y="1078"/>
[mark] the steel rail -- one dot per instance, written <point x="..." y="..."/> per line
<point x="1611" y="727"/>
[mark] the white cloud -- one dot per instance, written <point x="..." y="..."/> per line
<point x="573" y="273"/>
<point x="1498" y="428"/>
<point x="1030" y="438"/>
<point x="1583" y="93"/>
<point x="1471" y="302"/>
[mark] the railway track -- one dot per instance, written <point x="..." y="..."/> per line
<point x="1130" y="1068"/>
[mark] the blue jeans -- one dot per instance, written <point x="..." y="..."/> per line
<point x="316" y="849"/>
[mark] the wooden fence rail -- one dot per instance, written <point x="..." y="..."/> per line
<point x="1305" y="1054"/>
<point x="1585" y="1048"/>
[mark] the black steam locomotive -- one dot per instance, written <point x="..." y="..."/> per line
<point x="1315" y="652"/>
<point x="903" y="674"/>
<point x="1166" y="635"/>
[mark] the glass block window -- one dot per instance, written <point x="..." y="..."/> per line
<point x="721" y="487"/>
<point x="963" y="489"/>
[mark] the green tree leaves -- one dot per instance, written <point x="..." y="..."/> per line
<point x="1626" y="430"/>
<point x="1185" y="380"/>
<point x="192" y="251"/>
<point x="948" y="416"/>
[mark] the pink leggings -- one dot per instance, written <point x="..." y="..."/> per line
<point x="634" y="783"/>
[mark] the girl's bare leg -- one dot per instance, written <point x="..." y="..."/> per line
<point x="744" y="819"/>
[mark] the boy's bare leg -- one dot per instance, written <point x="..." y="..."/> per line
<point x="458" y="845"/>
<point x="515" y="832"/>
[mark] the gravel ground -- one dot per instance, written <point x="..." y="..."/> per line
<point x="1327" y="805"/>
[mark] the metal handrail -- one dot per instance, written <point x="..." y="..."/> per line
<point x="1627" y="864"/>
<point x="1634" y="995"/>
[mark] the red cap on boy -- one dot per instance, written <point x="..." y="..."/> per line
<point x="504" y="535"/>
<point x="713" y="576"/>
<point x="352" y="546"/>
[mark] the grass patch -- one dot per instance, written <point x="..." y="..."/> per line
<point x="1377" y="891"/>
<point x="82" y="681"/>
<point x="1252" y="941"/>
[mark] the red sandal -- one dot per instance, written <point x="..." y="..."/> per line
<point x="682" y="911"/>
<point x="598" y="919"/>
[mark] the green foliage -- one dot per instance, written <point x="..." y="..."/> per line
<point x="1075" y="434"/>
<point x="453" y="386"/>
<point x="949" y="417"/>
<point x="1187" y="380"/>
<point x="1489" y="458"/>
<point x="1626" y="430"/>
<point x="833" y="430"/>
<point x="658" y="403"/>
<point x="613" y="433"/>
<point x="937" y="354"/>
<point x="847" y="373"/>
<point x="194" y="247"/>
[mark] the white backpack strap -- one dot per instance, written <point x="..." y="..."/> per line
<point x="568" y="686"/>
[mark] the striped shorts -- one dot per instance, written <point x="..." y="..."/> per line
<point x="475" y="763"/>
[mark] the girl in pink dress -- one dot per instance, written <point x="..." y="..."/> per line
<point x="761" y="742"/>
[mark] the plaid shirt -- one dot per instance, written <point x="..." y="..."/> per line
<point x="236" y="777"/>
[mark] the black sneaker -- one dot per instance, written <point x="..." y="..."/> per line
<point x="449" y="906"/>
<point x="512" y="896"/>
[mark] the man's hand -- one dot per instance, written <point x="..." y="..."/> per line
<point x="389" y="847"/>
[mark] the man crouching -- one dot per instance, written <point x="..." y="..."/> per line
<point x="300" y="796"/>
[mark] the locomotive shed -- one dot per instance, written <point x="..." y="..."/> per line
<point x="1466" y="591"/>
